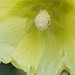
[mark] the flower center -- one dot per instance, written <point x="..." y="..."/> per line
<point x="42" y="20"/>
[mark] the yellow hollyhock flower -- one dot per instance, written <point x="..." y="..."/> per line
<point x="38" y="35"/>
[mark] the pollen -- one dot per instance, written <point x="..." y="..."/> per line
<point x="42" y="20"/>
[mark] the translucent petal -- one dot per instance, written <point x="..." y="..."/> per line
<point x="12" y="30"/>
<point x="5" y="52"/>
<point x="61" y="55"/>
<point x="5" y="6"/>
<point x="30" y="51"/>
<point x="51" y="57"/>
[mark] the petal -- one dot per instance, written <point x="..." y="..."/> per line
<point x="12" y="30"/>
<point x="5" y="51"/>
<point x="58" y="56"/>
<point x="30" y="51"/>
<point x="5" y="6"/>
<point x="51" y="57"/>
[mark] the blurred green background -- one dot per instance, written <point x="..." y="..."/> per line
<point x="9" y="69"/>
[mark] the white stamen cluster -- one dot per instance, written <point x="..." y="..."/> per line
<point x="43" y="20"/>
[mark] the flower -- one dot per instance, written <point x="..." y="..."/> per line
<point x="41" y="33"/>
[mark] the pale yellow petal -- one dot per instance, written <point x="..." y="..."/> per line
<point x="12" y="30"/>
<point x="30" y="51"/>
<point x="6" y="5"/>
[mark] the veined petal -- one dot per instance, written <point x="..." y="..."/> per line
<point x="51" y="57"/>
<point x="12" y="30"/>
<point x="5" y="52"/>
<point x="5" y="6"/>
<point x="30" y="51"/>
<point x="57" y="57"/>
